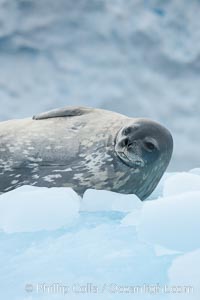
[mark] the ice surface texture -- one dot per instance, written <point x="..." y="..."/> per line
<point x="30" y="209"/>
<point x="51" y="236"/>
<point x="140" y="58"/>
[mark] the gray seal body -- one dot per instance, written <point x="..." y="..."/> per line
<point x="84" y="148"/>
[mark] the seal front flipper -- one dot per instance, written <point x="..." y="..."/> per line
<point x="69" y="111"/>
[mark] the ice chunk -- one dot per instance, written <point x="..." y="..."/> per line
<point x="162" y="251"/>
<point x="100" y="200"/>
<point x="105" y="246"/>
<point x="133" y="218"/>
<point x="181" y="183"/>
<point x="158" y="192"/>
<point x="185" y="272"/>
<point x="195" y="171"/>
<point x="172" y="222"/>
<point x="29" y="209"/>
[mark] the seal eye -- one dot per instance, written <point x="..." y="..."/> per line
<point x="149" y="146"/>
<point x="127" y="131"/>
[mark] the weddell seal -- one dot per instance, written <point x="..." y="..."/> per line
<point x="83" y="148"/>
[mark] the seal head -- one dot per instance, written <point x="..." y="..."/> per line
<point x="147" y="147"/>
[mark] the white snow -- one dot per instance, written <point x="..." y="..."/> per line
<point x="106" y="239"/>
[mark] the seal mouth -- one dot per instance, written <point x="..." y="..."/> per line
<point x="136" y="163"/>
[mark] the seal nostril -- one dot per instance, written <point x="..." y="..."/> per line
<point x="130" y="145"/>
<point x="125" y="142"/>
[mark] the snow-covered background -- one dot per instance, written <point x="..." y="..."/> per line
<point x="137" y="57"/>
<point x="53" y="238"/>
